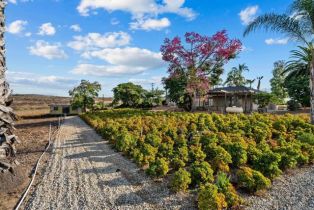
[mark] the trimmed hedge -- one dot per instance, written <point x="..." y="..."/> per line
<point x="201" y="151"/>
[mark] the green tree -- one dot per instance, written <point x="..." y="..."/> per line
<point x="299" y="63"/>
<point x="129" y="94"/>
<point x="277" y="83"/>
<point x="297" y="24"/>
<point x="153" y="98"/>
<point x="298" y="89"/>
<point x="263" y="99"/>
<point x="235" y="76"/>
<point x="83" y="95"/>
<point x="175" y="88"/>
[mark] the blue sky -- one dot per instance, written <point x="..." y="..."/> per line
<point x="53" y="44"/>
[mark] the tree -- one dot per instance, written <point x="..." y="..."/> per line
<point x="298" y="89"/>
<point x="298" y="24"/>
<point x="84" y="94"/>
<point x="299" y="63"/>
<point x="7" y="117"/>
<point x="196" y="65"/>
<point x="153" y="98"/>
<point x="129" y="94"/>
<point x="277" y="83"/>
<point x="263" y="99"/>
<point x="235" y="76"/>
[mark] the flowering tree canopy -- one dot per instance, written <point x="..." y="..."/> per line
<point x="199" y="62"/>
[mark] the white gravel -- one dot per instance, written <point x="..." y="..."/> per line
<point x="85" y="173"/>
<point x="292" y="191"/>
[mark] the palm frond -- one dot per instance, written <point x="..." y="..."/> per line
<point x="300" y="63"/>
<point x="277" y="23"/>
<point x="303" y="10"/>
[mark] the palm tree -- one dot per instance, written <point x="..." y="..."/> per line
<point x="297" y="24"/>
<point x="7" y="117"/>
<point x="235" y="76"/>
<point x="300" y="63"/>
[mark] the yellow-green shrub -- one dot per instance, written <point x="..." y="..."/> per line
<point x="210" y="199"/>
<point x="181" y="180"/>
<point x="252" y="180"/>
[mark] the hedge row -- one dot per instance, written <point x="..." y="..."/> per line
<point x="209" y="152"/>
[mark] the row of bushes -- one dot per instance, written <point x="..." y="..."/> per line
<point x="209" y="152"/>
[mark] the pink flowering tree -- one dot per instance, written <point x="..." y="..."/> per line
<point x="196" y="65"/>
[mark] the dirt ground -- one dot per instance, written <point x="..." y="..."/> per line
<point x="34" y="138"/>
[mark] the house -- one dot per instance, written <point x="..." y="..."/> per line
<point x="63" y="109"/>
<point x="232" y="99"/>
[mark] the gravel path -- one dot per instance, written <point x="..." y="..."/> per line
<point x="85" y="173"/>
<point x="293" y="191"/>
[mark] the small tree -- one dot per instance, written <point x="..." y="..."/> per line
<point x="277" y="82"/>
<point x="129" y="94"/>
<point x="153" y="98"/>
<point x="263" y="99"/>
<point x="235" y="76"/>
<point x="83" y="95"/>
<point x="195" y="66"/>
<point x="298" y="89"/>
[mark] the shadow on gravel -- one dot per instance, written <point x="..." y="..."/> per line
<point x="145" y="191"/>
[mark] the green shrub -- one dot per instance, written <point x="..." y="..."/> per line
<point x="180" y="180"/>
<point x="149" y="153"/>
<point x="218" y="157"/>
<point x="225" y="187"/>
<point x="210" y="199"/>
<point x="238" y="153"/>
<point x="196" y="153"/>
<point x="159" y="168"/>
<point x="266" y="162"/>
<point x="153" y="139"/>
<point x="177" y="163"/>
<point x="252" y="180"/>
<point x="201" y="173"/>
<point x="306" y="138"/>
<point x="290" y="154"/>
<point x="125" y="142"/>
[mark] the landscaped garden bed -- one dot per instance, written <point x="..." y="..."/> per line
<point x="211" y="153"/>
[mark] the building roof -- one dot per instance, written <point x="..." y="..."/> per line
<point x="233" y="89"/>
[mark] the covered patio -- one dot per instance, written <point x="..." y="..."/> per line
<point x="223" y="98"/>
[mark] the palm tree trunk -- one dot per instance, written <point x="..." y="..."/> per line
<point x="7" y="117"/>
<point x="312" y="88"/>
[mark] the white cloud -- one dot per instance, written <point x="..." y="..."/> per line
<point x="94" y="41"/>
<point x="47" y="29"/>
<point x="106" y="70"/>
<point x="248" y="14"/>
<point x="46" y="50"/>
<point x="16" y="27"/>
<point x="121" y="61"/>
<point x="35" y="80"/>
<point x="150" y="24"/>
<point x="12" y="1"/>
<point x="272" y="41"/>
<point x="148" y="81"/>
<point x="130" y="56"/>
<point x="15" y="1"/>
<point x="76" y="28"/>
<point x="138" y="8"/>
<point x="28" y="34"/>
